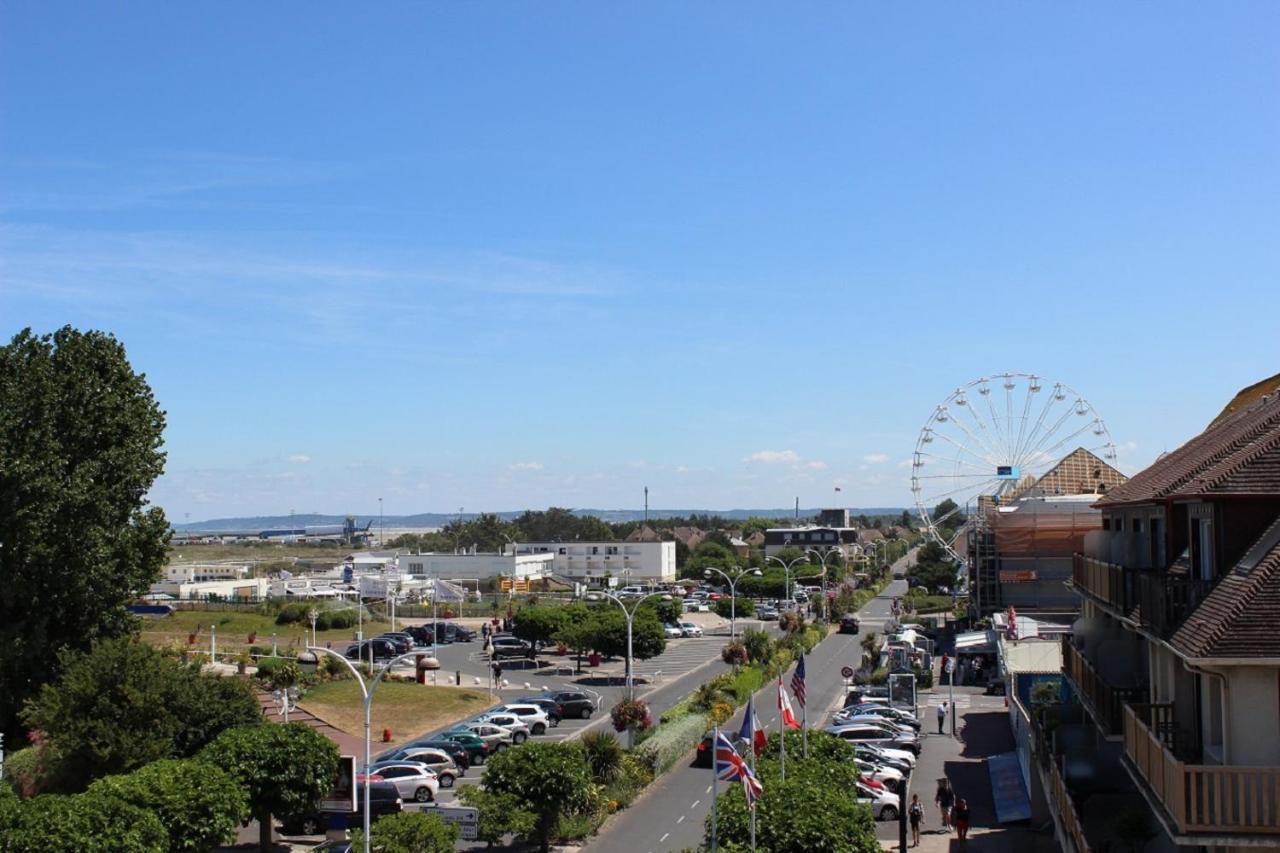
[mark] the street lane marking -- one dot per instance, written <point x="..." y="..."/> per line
<point x="680" y="819"/>
<point x="695" y="804"/>
<point x="708" y="789"/>
<point x="664" y="837"/>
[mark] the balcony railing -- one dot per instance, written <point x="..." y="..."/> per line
<point x="1108" y="702"/>
<point x="1199" y="797"/>
<point x="1102" y="580"/>
<point x="1066" y="808"/>
<point x="1165" y="600"/>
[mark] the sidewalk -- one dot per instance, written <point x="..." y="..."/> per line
<point x="982" y="729"/>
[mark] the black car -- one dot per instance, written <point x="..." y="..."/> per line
<point x="858" y="695"/>
<point x="402" y="645"/>
<point x="377" y="648"/>
<point x="849" y="624"/>
<point x="555" y="713"/>
<point x="510" y="647"/>
<point x="422" y="634"/>
<point x="573" y="703"/>
<point x="456" y="751"/>
<point x="452" y="632"/>
<point x="384" y="799"/>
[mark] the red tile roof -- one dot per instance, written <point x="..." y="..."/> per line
<point x="1238" y="454"/>
<point x="1239" y="618"/>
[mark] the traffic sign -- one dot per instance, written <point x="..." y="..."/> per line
<point x="846" y="671"/>
<point x="951" y="665"/>
<point x="466" y="818"/>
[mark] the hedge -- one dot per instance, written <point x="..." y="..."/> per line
<point x="671" y="741"/>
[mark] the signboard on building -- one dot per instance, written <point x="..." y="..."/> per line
<point x="467" y="819"/>
<point x="902" y="690"/>
<point x="1018" y="576"/>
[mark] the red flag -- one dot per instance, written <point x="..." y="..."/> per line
<point x="784" y="705"/>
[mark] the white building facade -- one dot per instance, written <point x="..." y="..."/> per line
<point x="461" y="567"/>
<point x="608" y="564"/>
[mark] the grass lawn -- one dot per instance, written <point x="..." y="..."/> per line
<point x="407" y="709"/>
<point x="234" y="629"/>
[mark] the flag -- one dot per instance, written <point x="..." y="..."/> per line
<point x="797" y="681"/>
<point x="731" y="768"/>
<point x="752" y="732"/>
<point x="784" y="705"/>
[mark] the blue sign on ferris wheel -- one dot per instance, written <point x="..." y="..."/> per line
<point x="1007" y="472"/>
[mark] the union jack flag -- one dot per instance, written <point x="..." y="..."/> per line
<point x="797" y="681"/>
<point x="731" y="768"/>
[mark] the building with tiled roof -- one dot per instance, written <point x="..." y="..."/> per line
<point x="1175" y="661"/>
<point x="643" y="533"/>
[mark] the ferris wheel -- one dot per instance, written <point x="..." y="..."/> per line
<point x="991" y="439"/>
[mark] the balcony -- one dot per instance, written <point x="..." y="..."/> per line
<point x="1199" y="798"/>
<point x="1066" y="809"/>
<point x="1106" y="702"/>
<point x="1165" y="600"/>
<point x="1100" y="579"/>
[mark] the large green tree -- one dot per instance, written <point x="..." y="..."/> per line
<point x="284" y="768"/>
<point x="80" y="438"/>
<point x="540" y="625"/>
<point x="88" y="821"/>
<point x="124" y="704"/>
<point x="409" y="832"/>
<point x="200" y="805"/>
<point x="546" y="780"/>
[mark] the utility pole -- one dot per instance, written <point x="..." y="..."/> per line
<point x="646" y="504"/>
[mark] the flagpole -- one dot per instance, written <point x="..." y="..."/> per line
<point x="804" y="728"/>
<point x="782" y="735"/>
<point x="751" y="762"/>
<point x="715" y="788"/>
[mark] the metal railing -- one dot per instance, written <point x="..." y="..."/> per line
<point x="1199" y="797"/>
<point x="1107" y="702"/>
<point x="1102" y="580"/>
<point x="1066" y="809"/>
<point x="1165" y="601"/>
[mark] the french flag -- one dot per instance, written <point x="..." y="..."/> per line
<point x="784" y="706"/>
<point x="751" y="731"/>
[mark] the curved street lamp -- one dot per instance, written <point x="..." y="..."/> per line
<point x="308" y="661"/>
<point x="631" y="615"/>
<point x="733" y="592"/>
<point x="786" y="573"/>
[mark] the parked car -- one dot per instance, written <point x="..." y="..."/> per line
<point x="497" y="736"/>
<point x="376" y="649"/>
<point x="384" y="799"/>
<point x="511" y="722"/>
<point x="766" y="613"/>
<point x="672" y="632"/>
<point x="505" y="646"/>
<point x="877" y="709"/>
<point x="459" y="753"/>
<point x="439" y="760"/>
<point x="873" y="719"/>
<point x="531" y="715"/>
<point x="574" y="703"/>
<point x="899" y="759"/>
<point x="866" y="693"/>
<point x="849" y="624"/>
<point x="477" y="749"/>
<point x="402" y="642"/>
<point x="696" y="605"/>
<point x="631" y="592"/>
<point x="884" y="803"/>
<point x="890" y="777"/>
<point x="414" y="781"/>
<point x="422" y="634"/>
<point x="553" y="709"/>
<point x="690" y="630"/>
<point x="452" y="632"/>
<point x="875" y="733"/>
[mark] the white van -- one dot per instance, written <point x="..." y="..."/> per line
<point x="631" y="592"/>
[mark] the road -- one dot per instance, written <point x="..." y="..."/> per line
<point x="671" y="815"/>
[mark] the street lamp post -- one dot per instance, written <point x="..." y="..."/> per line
<point x="631" y="615"/>
<point x="823" y="557"/>
<point x="733" y="592"/>
<point x="786" y="573"/>
<point x="309" y="663"/>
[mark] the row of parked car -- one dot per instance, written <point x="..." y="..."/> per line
<point x="391" y="644"/>
<point x="419" y="769"/>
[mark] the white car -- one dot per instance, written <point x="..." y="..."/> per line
<point x="497" y="736"/>
<point x="690" y="630"/>
<point x="889" y="725"/>
<point x="882" y="773"/>
<point x="531" y="715"/>
<point x="510" y="722"/>
<point x="413" y="781"/>
<point x="875" y="709"/>
<point x="672" y="632"/>
<point x="696" y="605"/>
<point x="437" y="760"/>
<point x="882" y="754"/>
<point x="884" y="803"/>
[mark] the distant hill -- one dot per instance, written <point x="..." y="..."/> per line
<point x="439" y="519"/>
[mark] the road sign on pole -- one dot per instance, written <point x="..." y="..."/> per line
<point x="466" y="818"/>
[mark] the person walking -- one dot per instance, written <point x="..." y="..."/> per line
<point x="945" y="799"/>
<point x="942" y="715"/>
<point x="915" y="812"/>
<point x="961" y="819"/>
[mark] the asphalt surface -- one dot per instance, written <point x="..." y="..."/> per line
<point x="672" y="813"/>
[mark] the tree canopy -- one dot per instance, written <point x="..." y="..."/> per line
<point x="124" y="704"/>
<point x="81" y="433"/>
<point x="88" y="821"/>
<point x="409" y="832"/>
<point x="544" y="780"/>
<point x="283" y="768"/>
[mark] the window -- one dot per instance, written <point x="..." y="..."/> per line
<point x="1202" y="548"/>
<point x="1213" y="717"/>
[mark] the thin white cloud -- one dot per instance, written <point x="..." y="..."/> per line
<point x="299" y="459"/>
<point x="527" y="466"/>
<point x="905" y="463"/>
<point x="815" y="465"/>
<point x="876" y="458"/>
<point x="773" y="457"/>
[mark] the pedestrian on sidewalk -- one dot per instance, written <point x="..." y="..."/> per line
<point x="942" y="715"/>
<point x="961" y="819"/>
<point x="945" y="799"/>
<point x="916" y="813"/>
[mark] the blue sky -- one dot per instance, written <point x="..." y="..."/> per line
<point x="499" y="256"/>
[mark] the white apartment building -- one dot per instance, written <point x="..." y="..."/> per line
<point x="608" y="564"/>
<point x="461" y="567"/>
<point x="201" y="572"/>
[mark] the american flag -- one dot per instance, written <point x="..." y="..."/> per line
<point x="731" y="768"/>
<point x="797" y="681"/>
